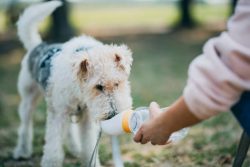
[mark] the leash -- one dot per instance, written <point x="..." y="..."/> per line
<point x="95" y="151"/>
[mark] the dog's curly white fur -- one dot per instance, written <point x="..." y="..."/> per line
<point x="86" y="78"/>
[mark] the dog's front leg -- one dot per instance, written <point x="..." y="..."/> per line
<point x="53" y="150"/>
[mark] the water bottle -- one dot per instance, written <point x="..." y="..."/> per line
<point x="130" y="121"/>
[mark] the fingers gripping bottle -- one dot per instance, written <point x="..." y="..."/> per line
<point x="130" y="121"/>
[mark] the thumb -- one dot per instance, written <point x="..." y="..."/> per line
<point x="154" y="109"/>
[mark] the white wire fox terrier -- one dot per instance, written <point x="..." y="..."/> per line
<point x="81" y="77"/>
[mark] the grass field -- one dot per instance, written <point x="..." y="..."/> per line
<point x="93" y="17"/>
<point x="158" y="73"/>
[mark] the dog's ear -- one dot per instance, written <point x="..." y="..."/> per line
<point x="83" y="70"/>
<point x="118" y="62"/>
<point x="123" y="58"/>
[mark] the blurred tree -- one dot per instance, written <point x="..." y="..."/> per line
<point x="61" y="30"/>
<point x="186" y="19"/>
<point x="1" y="104"/>
<point x="233" y="5"/>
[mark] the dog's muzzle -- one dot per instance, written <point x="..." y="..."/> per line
<point x="113" y="109"/>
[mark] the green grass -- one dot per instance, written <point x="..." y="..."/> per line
<point x="2" y="22"/>
<point x="92" y="17"/>
<point x="158" y="73"/>
<point x="210" y="14"/>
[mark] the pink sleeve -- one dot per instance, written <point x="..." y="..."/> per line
<point x="217" y="78"/>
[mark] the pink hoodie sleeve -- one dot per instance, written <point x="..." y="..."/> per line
<point x="217" y="78"/>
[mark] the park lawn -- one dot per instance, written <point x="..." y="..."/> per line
<point x="158" y="73"/>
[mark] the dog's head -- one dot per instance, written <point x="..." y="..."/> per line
<point x="103" y="73"/>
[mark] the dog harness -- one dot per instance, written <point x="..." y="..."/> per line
<point x="40" y="62"/>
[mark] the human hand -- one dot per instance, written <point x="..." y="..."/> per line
<point x="154" y="130"/>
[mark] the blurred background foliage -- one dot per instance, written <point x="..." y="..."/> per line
<point x="164" y="35"/>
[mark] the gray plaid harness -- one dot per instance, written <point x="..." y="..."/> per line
<point x="40" y="62"/>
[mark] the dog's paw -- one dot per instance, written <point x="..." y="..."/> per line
<point x="22" y="153"/>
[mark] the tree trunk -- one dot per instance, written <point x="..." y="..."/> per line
<point x="61" y="30"/>
<point x="186" y="19"/>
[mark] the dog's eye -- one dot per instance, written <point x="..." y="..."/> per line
<point x="99" y="87"/>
